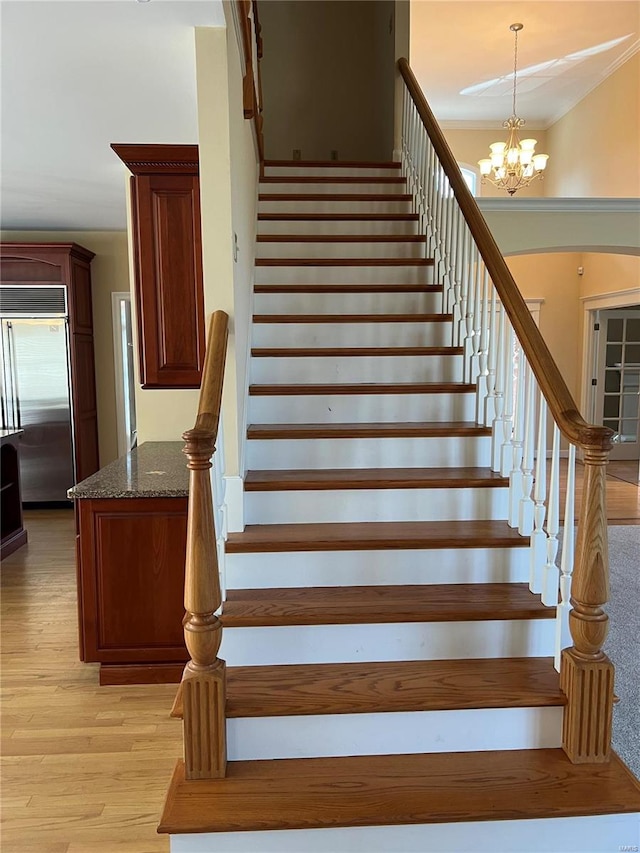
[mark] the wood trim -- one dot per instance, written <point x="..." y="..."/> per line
<point x="351" y="352"/>
<point x="378" y="430"/>
<point x="347" y="288"/>
<point x="551" y="382"/>
<point x="363" y="388"/>
<point x="352" y="318"/>
<point x="344" y="262"/>
<point x="338" y="217"/>
<point x="330" y="179"/>
<point x="340" y="238"/>
<point x="334" y="197"/>
<point x="158" y="159"/>
<point x="329" y="479"/>
<point x="374" y="536"/>
<point x="398" y="789"/>
<point x="356" y="605"/>
<point x="333" y="164"/>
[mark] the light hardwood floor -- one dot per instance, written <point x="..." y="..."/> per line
<point x="85" y="768"/>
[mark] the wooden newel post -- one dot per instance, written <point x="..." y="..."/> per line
<point x="203" y="681"/>
<point x="586" y="673"/>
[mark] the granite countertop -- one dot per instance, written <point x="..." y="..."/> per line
<point x="156" y="469"/>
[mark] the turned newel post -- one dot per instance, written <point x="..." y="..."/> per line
<point x="586" y="674"/>
<point x="203" y="681"/>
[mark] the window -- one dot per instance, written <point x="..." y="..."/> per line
<point x="471" y="178"/>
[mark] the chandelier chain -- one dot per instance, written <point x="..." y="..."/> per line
<point x="515" y="71"/>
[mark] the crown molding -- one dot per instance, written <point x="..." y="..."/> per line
<point x="158" y="159"/>
<point x="560" y="205"/>
<point x="482" y="125"/>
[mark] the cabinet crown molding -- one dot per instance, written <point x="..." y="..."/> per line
<point x="158" y="159"/>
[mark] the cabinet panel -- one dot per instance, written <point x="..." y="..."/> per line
<point x="132" y="569"/>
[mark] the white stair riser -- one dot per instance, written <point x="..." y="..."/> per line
<point x="360" y="275"/>
<point x="332" y="206"/>
<point x="387" y="642"/>
<point x="347" y="505"/>
<point x="334" y="188"/>
<point x="593" y="834"/>
<point x="434" y="368"/>
<point x="444" y="452"/>
<point x="376" y="568"/>
<point x="321" y="249"/>
<point x="361" y="408"/>
<point x="351" y="334"/>
<point x="331" y="172"/>
<point x="336" y="226"/>
<point x="347" y="303"/>
<point x="312" y="736"/>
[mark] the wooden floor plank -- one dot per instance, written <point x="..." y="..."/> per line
<point x="363" y="388"/>
<point x="376" y="604"/>
<point x="433" y="788"/>
<point x="412" y="429"/>
<point x="351" y="352"/>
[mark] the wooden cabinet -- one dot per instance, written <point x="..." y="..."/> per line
<point x="131" y="554"/>
<point x="14" y="535"/>
<point x="34" y="265"/>
<point x="165" y="213"/>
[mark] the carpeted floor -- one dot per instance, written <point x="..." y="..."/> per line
<point x="623" y="643"/>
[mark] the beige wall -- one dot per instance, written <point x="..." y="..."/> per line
<point x="595" y="148"/>
<point x="554" y="278"/>
<point x="109" y="273"/>
<point x="469" y="146"/>
<point x="328" y="78"/>
<point x="605" y="273"/>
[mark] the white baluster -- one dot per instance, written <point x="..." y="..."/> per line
<point x="515" y="475"/>
<point x="469" y="288"/>
<point x="477" y="279"/>
<point x="551" y="574"/>
<point x="539" y="537"/>
<point x="563" y="635"/>
<point x="497" y="427"/>
<point x="506" y="454"/>
<point x="492" y="348"/>
<point x="525" y="512"/>
<point x="483" y="342"/>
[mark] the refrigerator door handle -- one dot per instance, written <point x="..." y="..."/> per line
<point x="15" y="397"/>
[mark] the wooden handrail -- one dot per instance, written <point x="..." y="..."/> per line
<point x="586" y="673"/>
<point x="202" y="693"/>
<point x="561" y="403"/>
<point x="252" y="95"/>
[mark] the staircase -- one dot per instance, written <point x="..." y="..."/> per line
<point x="390" y="677"/>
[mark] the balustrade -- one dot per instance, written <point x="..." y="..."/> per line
<point x="521" y="394"/>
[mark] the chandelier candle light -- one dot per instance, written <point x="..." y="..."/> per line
<point x="513" y="164"/>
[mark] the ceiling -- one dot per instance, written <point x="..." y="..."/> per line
<point x="462" y="54"/>
<point x="80" y="74"/>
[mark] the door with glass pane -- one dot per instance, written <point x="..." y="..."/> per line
<point x="618" y="400"/>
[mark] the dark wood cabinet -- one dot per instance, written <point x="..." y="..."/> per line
<point x="68" y="264"/>
<point x="165" y="213"/>
<point x="14" y="535"/>
<point x="131" y="554"/>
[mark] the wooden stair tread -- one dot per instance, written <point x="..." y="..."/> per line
<point x="335" y="197"/>
<point x="413" y="429"/>
<point x="340" y="238"/>
<point x="348" y="605"/>
<point x="332" y="179"/>
<point x="373" y="478"/>
<point x="364" y="388"/>
<point x="339" y="217"/>
<point x="333" y="164"/>
<point x="352" y="318"/>
<point x="369" y="688"/>
<point x="374" y="536"/>
<point x="344" y="262"/>
<point x="351" y="352"/>
<point x="347" y="288"/>
<point x="398" y="789"/>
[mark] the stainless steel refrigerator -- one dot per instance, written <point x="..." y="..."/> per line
<point x="36" y="395"/>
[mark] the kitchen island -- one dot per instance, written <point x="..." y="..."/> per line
<point x="131" y="526"/>
<point x="14" y="535"/>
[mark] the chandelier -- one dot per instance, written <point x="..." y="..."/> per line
<point x="513" y="164"/>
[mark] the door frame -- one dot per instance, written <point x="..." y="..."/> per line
<point x="591" y="305"/>
<point x="118" y="366"/>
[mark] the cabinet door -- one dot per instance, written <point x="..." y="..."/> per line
<point x="169" y="293"/>
<point x="132" y="554"/>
